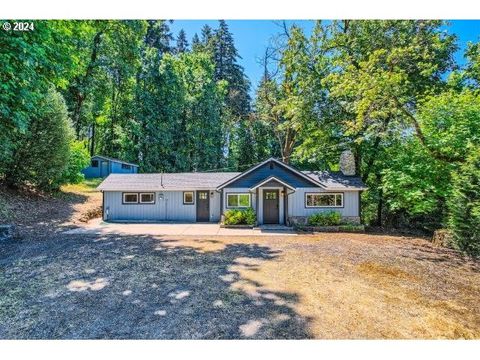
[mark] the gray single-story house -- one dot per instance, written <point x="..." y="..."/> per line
<point x="102" y="166"/>
<point x="279" y="193"/>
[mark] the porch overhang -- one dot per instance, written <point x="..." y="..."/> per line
<point x="272" y="178"/>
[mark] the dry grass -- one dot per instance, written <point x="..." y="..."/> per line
<point x="366" y="286"/>
<point x="327" y="286"/>
<point x="40" y="213"/>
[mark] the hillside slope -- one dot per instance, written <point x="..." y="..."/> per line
<point x="39" y="214"/>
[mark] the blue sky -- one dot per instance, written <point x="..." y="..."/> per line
<point x="253" y="36"/>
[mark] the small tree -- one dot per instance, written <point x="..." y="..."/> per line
<point x="79" y="159"/>
<point x="44" y="151"/>
<point x="464" y="205"/>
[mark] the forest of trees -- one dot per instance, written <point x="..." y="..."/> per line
<point x="390" y="91"/>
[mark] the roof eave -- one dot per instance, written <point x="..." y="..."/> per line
<point x="115" y="160"/>
<point x="270" y="178"/>
<point x="346" y="189"/>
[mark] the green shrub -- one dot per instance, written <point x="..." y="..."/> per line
<point x="351" y="228"/>
<point x="77" y="161"/>
<point x="43" y="151"/>
<point x="464" y="206"/>
<point x="327" y="218"/>
<point x="240" y="217"/>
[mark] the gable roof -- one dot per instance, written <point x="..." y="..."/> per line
<point x="295" y="171"/>
<point x="113" y="159"/>
<point x="168" y="181"/>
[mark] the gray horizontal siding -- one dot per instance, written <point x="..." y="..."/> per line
<point x="296" y="203"/>
<point x="171" y="208"/>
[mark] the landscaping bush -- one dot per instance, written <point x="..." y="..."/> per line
<point x="240" y="217"/>
<point x="351" y="228"/>
<point x="328" y="218"/>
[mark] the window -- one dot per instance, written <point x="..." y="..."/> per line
<point x="188" y="198"/>
<point x="203" y="195"/>
<point x="147" y="198"/>
<point x="130" y="198"/>
<point x="323" y="200"/>
<point x="126" y="166"/>
<point x="238" y="200"/>
<point x="270" y="195"/>
<point x="94" y="163"/>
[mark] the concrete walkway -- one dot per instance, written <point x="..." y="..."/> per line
<point x="97" y="226"/>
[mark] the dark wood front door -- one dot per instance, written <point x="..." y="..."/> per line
<point x="270" y="206"/>
<point x="203" y="206"/>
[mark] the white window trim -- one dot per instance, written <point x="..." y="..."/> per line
<point x="323" y="206"/>
<point x="238" y="194"/>
<point x="130" y="202"/>
<point x="146" y="202"/>
<point x="189" y="202"/>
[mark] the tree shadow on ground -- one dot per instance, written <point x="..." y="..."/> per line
<point x="133" y="287"/>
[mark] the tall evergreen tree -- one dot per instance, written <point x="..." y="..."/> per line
<point x="182" y="43"/>
<point x="159" y="36"/>
<point x="225" y="57"/>
<point x="151" y="134"/>
<point x="207" y="34"/>
<point x="196" y="44"/>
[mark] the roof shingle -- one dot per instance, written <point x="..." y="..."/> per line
<point x="167" y="181"/>
<point x="211" y="180"/>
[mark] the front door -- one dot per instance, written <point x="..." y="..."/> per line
<point x="203" y="206"/>
<point x="270" y="207"/>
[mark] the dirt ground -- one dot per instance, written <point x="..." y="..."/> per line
<point x="328" y="286"/>
<point x="34" y="213"/>
<point x="340" y="286"/>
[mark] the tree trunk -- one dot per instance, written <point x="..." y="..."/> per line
<point x="380" y="200"/>
<point x="358" y="159"/>
<point x="82" y="83"/>
<point x="92" y="141"/>
<point x="373" y="157"/>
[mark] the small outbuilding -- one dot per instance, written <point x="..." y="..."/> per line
<point x="102" y="166"/>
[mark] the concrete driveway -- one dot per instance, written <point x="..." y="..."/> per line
<point x="97" y="226"/>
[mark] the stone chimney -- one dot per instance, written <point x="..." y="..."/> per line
<point x="347" y="163"/>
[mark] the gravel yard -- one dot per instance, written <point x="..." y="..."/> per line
<point x="323" y="286"/>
